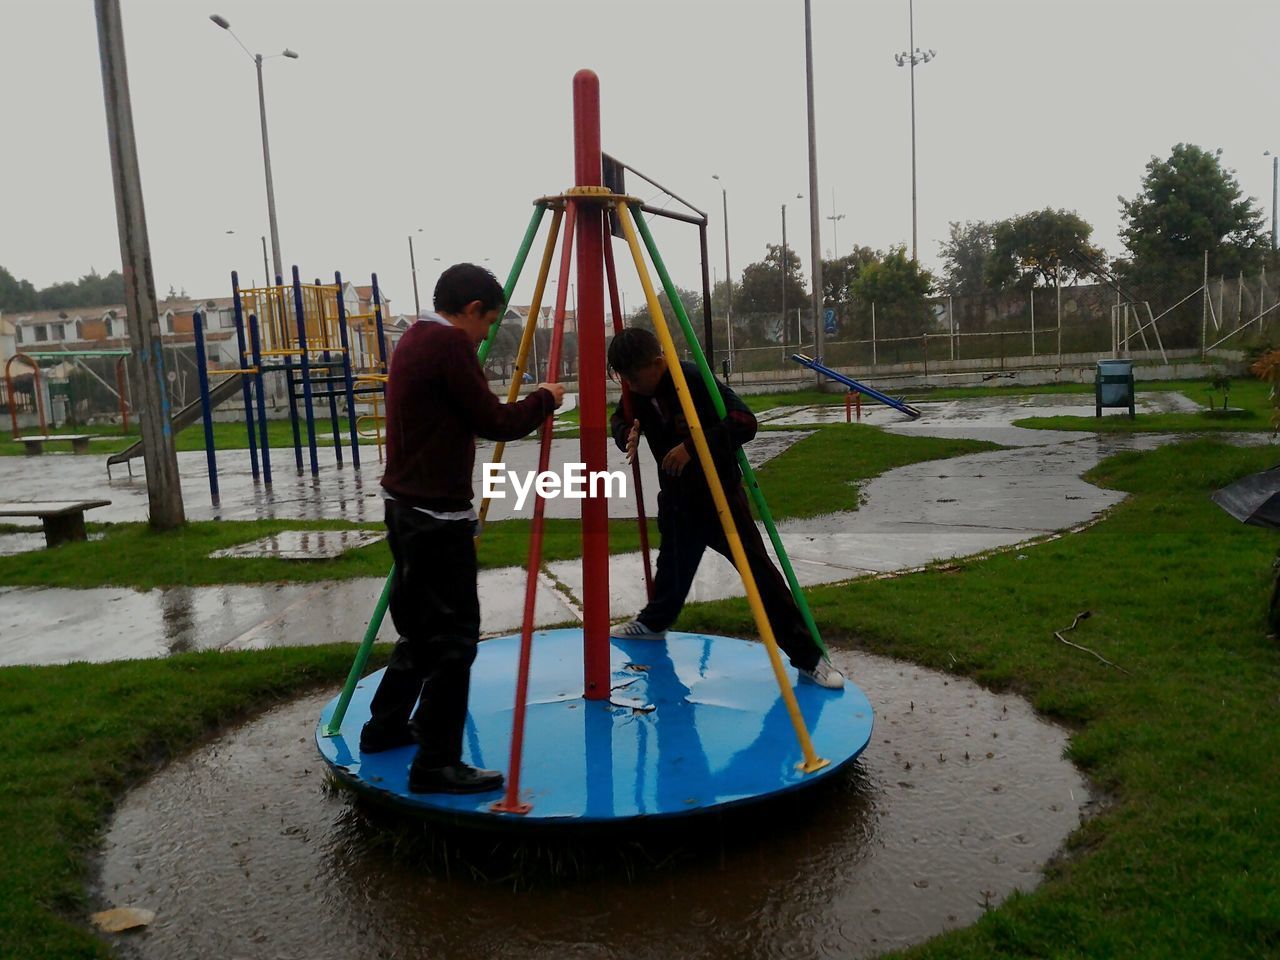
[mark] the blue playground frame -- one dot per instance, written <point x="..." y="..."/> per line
<point x="900" y="405"/>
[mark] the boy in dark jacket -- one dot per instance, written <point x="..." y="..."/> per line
<point x="687" y="520"/>
<point x="438" y="402"/>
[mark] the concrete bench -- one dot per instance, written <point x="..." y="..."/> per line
<point x="63" y="520"/>
<point x="35" y="445"/>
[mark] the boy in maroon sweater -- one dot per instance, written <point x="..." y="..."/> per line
<point x="438" y="402"/>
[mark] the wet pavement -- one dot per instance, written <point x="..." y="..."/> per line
<point x="961" y="798"/>
<point x="910" y="517"/>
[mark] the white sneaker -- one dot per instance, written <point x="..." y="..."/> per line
<point x="635" y="630"/>
<point x="824" y="674"/>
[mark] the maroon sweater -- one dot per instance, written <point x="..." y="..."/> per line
<point x="438" y="402"/>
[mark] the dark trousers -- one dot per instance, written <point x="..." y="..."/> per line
<point x="436" y="611"/>
<point x="687" y="529"/>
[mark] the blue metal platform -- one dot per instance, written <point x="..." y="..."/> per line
<point x="694" y="725"/>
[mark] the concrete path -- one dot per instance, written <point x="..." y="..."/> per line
<point x="911" y="516"/>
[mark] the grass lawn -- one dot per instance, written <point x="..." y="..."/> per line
<point x="1185" y="859"/>
<point x="797" y="483"/>
<point x="1252" y="397"/>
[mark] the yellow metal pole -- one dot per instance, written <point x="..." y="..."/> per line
<point x="811" y="761"/>
<point x="526" y="341"/>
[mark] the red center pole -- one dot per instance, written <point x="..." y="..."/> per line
<point x="591" y="383"/>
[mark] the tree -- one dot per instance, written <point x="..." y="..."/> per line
<point x="840" y="273"/>
<point x="1026" y="250"/>
<point x="899" y="288"/>
<point x="16" y="294"/>
<point x="758" y="297"/>
<point x="1189" y="204"/>
<point x="966" y="258"/>
<point x="689" y="299"/>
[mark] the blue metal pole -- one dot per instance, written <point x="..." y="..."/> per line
<point x="377" y="317"/>
<point x="288" y="378"/>
<point x="205" y="410"/>
<point x="346" y="374"/>
<point x="246" y="392"/>
<point x="305" y="370"/>
<point x="329" y="381"/>
<point x="255" y="344"/>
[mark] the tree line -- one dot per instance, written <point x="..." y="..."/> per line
<point x="1188" y="203"/>
<point x="91" y="290"/>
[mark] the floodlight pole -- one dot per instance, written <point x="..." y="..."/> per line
<point x="164" y="488"/>
<point x="815" y="220"/>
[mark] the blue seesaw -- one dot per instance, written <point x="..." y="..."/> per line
<point x="900" y="405"/>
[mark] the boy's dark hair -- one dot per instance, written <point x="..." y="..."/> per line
<point x="464" y="283"/>
<point x="632" y="349"/>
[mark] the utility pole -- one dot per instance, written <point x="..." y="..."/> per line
<point x="815" y="221"/>
<point x="164" y="488"/>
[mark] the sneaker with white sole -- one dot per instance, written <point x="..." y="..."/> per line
<point x="635" y="630"/>
<point x="823" y="674"/>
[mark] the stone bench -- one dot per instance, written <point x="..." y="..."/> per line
<point x="63" y="520"/>
<point x="35" y="445"/>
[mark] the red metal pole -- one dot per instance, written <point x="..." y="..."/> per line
<point x="857" y="400"/>
<point x="511" y="802"/>
<point x="612" y="276"/>
<point x="848" y="407"/>
<point x="591" y="381"/>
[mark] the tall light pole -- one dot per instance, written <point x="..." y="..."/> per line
<point x="1275" y="181"/>
<point x="834" y="218"/>
<point x="257" y="59"/>
<point x="912" y="56"/>
<point x="815" y="223"/>
<point x="417" y="307"/>
<point x="728" y="277"/>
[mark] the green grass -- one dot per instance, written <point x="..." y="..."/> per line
<point x="133" y="555"/>
<point x="825" y="471"/>
<point x="799" y="483"/>
<point x="1252" y="397"/>
<point x="81" y="735"/>
<point x="1185" y="860"/>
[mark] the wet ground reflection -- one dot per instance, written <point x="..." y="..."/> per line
<point x="243" y="850"/>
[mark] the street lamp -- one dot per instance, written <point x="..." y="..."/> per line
<point x="1275" y="181"/>
<point x="417" y="307"/>
<point x="728" y="276"/>
<point x="799" y="196"/>
<point x="257" y="59"/>
<point x="834" y="218"/>
<point x="912" y="56"/>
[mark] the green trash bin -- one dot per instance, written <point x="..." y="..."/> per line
<point x="1113" y="386"/>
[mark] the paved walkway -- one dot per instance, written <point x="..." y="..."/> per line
<point x="911" y="516"/>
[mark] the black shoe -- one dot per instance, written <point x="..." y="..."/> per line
<point x="376" y="738"/>
<point x="455" y="778"/>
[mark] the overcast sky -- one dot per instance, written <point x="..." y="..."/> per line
<point x="451" y="116"/>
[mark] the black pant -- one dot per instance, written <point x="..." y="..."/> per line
<point x="687" y="529"/>
<point x="436" y="611"/>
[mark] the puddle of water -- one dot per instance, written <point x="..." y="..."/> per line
<point x="302" y="544"/>
<point x="959" y="800"/>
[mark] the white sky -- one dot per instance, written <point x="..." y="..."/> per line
<point x="453" y="115"/>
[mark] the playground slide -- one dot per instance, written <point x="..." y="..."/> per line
<point x="900" y="405"/>
<point x="230" y="387"/>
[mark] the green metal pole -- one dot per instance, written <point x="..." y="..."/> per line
<point x="362" y="657"/>
<point x="380" y="611"/>
<point x="748" y="475"/>
<point x="517" y="268"/>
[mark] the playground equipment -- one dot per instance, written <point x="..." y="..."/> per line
<point x="857" y="386"/>
<point x="33" y="358"/>
<point x="303" y="332"/>
<point x="667" y="730"/>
